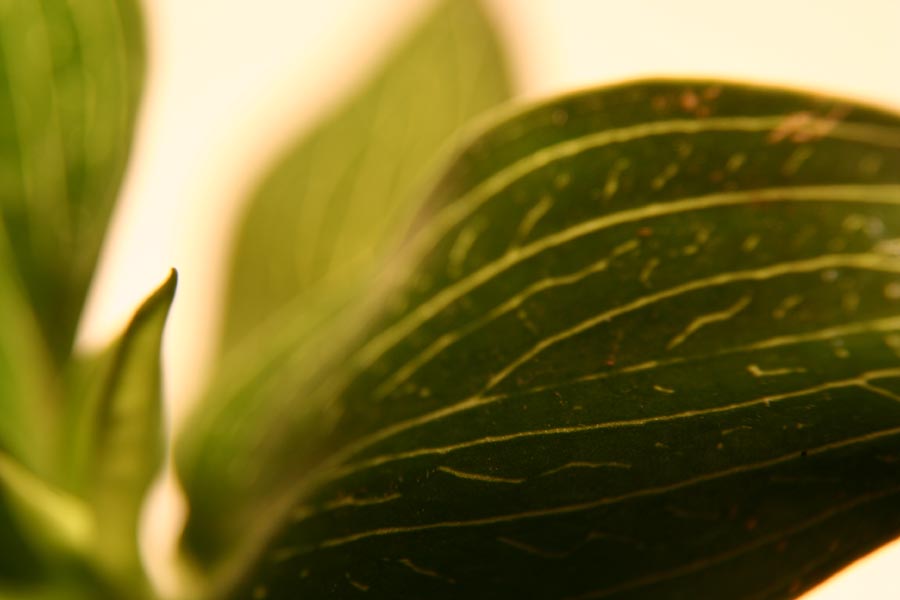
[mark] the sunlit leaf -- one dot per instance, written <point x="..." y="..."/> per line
<point x="647" y="347"/>
<point x="70" y="74"/>
<point x="336" y="200"/>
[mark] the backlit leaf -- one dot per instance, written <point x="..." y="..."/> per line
<point x="69" y="77"/>
<point x="330" y="211"/>
<point x="116" y="444"/>
<point x="70" y="74"/>
<point x="28" y="390"/>
<point x="72" y="533"/>
<point x="336" y="200"/>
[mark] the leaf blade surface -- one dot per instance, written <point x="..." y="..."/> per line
<point x="70" y="78"/>
<point x="336" y="200"/>
<point x="648" y="348"/>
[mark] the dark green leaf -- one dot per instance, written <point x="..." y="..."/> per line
<point x="70" y="75"/>
<point x="648" y="348"/>
<point x="336" y="200"/>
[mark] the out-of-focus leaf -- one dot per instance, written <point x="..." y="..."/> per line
<point x="52" y="516"/>
<point x="69" y="79"/>
<point x="116" y="444"/>
<point x="73" y="533"/>
<point x="337" y="199"/>
<point x="36" y="520"/>
<point x="69" y="582"/>
<point x="329" y="211"/>
<point x="21" y="564"/>
<point x="70" y="74"/>
<point x="649" y="347"/>
<point x="29" y="394"/>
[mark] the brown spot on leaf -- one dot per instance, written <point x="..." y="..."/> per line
<point x="689" y="101"/>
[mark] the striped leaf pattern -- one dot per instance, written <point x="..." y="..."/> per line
<point x="647" y="346"/>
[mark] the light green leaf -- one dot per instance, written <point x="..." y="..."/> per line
<point x="29" y="393"/>
<point x="54" y="518"/>
<point x="647" y="348"/>
<point x="335" y="202"/>
<point x="70" y="75"/>
<point x="36" y="520"/>
<point x="116" y="443"/>
<point x="73" y="532"/>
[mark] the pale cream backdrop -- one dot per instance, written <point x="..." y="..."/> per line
<point x="233" y="80"/>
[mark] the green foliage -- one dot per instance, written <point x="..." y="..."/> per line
<point x="635" y="342"/>
<point x="651" y="327"/>
<point x="80" y="437"/>
<point x="70" y="79"/>
<point x="117" y="443"/>
<point x="332" y="209"/>
<point x="339" y="197"/>
<point x="72" y="528"/>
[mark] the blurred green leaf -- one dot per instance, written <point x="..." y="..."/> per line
<point x="74" y="532"/>
<point x="69" y="582"/>
<point x="29" y="428"/>
<point x="70" y="77"/>
<point x="36" y="520"/>
<point x="329" y="212"/>
<point x="55" y="520"/>
<point x="29" y="391"/>
<point x="116" y="444"/>
<point x="336" y="200"/>
<point x="648" y="347"/>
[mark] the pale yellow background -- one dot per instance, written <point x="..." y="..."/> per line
<point x="233" y="79"/>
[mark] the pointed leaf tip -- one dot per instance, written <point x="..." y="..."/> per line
<point x="118" y="435"/>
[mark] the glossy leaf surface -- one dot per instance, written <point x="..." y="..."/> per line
<point x="649" y="348"/>
<point x="70" y="74"/>
<point x="335" y="202"/>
